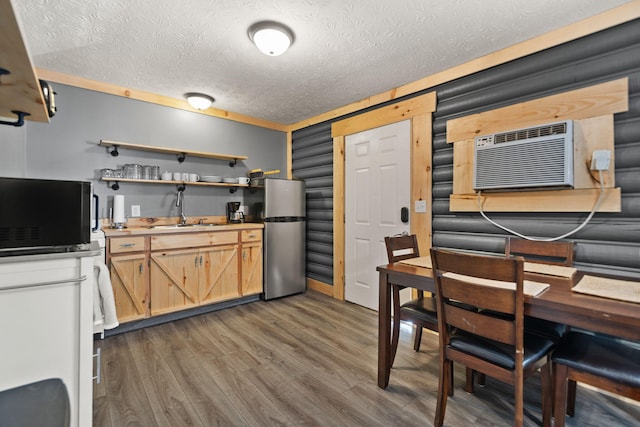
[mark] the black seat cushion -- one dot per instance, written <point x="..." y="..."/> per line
<point x="601" y="355"/>
<point x="421" y="308"/>
<point x="535" y="346"/>
<point x="545" y="328"/>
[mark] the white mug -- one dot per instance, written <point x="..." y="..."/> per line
<point x="166" y="176"/>
<point x="243" y="180"/>
<point x="194" y="177"/>
<point x="185" y="176"/>
<point x="177" y="176"/>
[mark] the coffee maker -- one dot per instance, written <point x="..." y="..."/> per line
<point x="233" y="215"/>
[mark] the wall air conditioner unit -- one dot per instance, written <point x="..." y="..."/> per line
<point x="530" y="158"/>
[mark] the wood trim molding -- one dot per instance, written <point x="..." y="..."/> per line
<point x="418" y="110"/>
<point x="602" y="21"/>
<point x="420" y="105"/>
<point x="289" y="155"/>
<point x="338" y="217"/>
<point x="597" y="100"/>
<point x="166" y="101"/>
<point x="318" y="286"/>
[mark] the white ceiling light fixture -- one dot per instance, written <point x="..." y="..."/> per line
<point x="199" y="101"/>
<point x="272" y="38"/>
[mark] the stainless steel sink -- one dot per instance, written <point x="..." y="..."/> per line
<point x="172" y="226"/>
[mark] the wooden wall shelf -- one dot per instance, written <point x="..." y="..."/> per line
<point x="233" y="159"/>
<point x="20" y="89"/>
<point x="232" y="187"/>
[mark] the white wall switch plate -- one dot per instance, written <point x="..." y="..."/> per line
<point x="135" y="210"/>
<point x="420" y="206"/>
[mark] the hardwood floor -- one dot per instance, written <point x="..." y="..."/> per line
<point x="305" y="360"/>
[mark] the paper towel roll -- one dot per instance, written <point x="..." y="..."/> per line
<point x="118" y="210"/>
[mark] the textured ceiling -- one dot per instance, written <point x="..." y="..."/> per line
<point x="344" y="50"/>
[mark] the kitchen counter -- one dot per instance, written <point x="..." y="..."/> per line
<point x="168" y="229"/>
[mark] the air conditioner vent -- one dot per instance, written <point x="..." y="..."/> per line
<point x="529" y="158"/>
<point x="536" y="132"/>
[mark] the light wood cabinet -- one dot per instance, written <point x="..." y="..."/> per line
<point x="130" y="282"/>
<point x="129" y="261"/>
<point x="251" y="264"/>
<point x="174" y="280"/>
<point x="162" y="273"/>
<point x="218" y="275"/>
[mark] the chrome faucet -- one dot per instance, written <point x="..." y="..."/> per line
<point x="180" y="204"/>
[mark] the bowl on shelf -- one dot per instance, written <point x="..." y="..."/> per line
<point x="230" y="180"/>
<point x="211" y="178"/>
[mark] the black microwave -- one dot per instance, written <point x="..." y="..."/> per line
<point x="42" y="215"/>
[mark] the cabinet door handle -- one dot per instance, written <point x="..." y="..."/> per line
<point x="127" y="245"/>
<point x="141" y="268"/>
<point x="195" y="261"/>
<point x="200" y="260"/>
<point x="98" y="357"/>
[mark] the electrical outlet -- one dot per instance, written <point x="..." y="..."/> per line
<point x="135" y="210"/>
<point x="600" y="160"/>
<point x="420" y="206"/>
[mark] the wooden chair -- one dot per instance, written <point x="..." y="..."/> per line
<point x="598" y="360"/>
<point x="493" y="345"/>
<point x="420" y="311"/>
<point x="556" y="253"/>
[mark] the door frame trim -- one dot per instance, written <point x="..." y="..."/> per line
<point x="419" y="110"/>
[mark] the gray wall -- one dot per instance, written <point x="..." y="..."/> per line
<point x="67" y="148"/>
<point x="313" y="162"/>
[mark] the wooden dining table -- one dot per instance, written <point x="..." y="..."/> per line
<point x="559" y="303"/>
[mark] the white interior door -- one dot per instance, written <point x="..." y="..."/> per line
<point x="377" y="187"/>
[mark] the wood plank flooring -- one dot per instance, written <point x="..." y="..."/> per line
<point x="305" y="360"/>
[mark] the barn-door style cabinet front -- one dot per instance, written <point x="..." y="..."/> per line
<point x="174" y="280"/>
<point x="129" y="271"/>
<point x="156" y="274"/>
<point x="251" y="262"/>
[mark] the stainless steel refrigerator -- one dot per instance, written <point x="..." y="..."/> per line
<point x="284" y="237"/>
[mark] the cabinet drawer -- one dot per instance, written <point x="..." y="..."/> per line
<point x="251" y="235"/>
<point x="119" y="245"/>
<point x="193" y="240"/>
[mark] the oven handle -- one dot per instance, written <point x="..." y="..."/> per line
<point x="36" y="285"/>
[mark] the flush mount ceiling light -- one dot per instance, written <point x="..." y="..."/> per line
<point x="272" y="38"/>
<point x="199" y="101"/>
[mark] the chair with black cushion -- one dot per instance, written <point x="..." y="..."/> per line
<point x="497" y="346"/>
<point x="601" y="361"/>
<point x="541" y="252"/>
<point x="554" y="253"/>
<point x="420" y="311"/>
